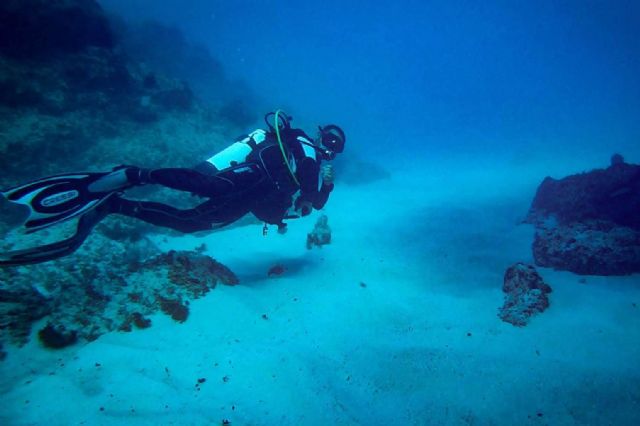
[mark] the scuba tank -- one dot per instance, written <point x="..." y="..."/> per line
<point x="238" y="151"/>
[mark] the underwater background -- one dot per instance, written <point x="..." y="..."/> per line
<point x="458" y="287"/>
<point x="436" y="77"/>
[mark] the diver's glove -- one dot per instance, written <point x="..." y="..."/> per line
<point x="327" y="174"/>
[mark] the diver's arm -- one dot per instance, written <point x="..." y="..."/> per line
<point x="322" y="196"/>
<point x="310" y="196"/>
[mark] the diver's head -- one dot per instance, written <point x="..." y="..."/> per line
<point x="332" y="139"/>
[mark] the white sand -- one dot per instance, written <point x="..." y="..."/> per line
<point x="432" y="251"/>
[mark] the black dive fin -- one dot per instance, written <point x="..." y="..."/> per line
<point x="58" y="249"/>
<point x="58" y="198"/>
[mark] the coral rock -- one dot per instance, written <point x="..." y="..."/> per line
<point x="525" y="294"/>
<point x="321" y="233"/>
<point x="589" y="223"/>
<point x="174" y="308"/>
<point x="588" y="248"/>
<point x="276" y="270"/>
<point x="19" y="308"/>
<point x="57" y="337"/>
<point x="611" y="194"/>
<point x="84" y="301"/>
<point x="42" y="27"/>
<point x="196" y="272"/>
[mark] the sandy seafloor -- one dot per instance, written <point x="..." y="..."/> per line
<point x="394" y="323"/>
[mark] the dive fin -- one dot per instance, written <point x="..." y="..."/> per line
<point x="58" y="198"/>
<point x="58" y="249"/>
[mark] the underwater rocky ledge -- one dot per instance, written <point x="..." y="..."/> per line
<point x="81" y="90"/>
<point x="111" y="284"/>
<point x="77" y="93"/>
<point x="589" y="223"/>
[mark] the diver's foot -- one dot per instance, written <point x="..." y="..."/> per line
<point x="121" y="178"/>
<point x="110" y="182"/>
<point x="138" y="176"/>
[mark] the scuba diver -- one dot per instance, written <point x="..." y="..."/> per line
<point x="259" y="173"/>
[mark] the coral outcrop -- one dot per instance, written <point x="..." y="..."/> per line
<point x="72" y="96"/>
<point x="79" y="91"/>
<point x="31" y="28"/>
<point x="83" y="298"/>
<point x="589" y="248"/>
<point x="20" y="306"/>
<point x="589" y="223"/>
<point x="152" y="43"/>
<point x="611" y="195"/>
<point x="525" y="294"/>
<point x="57" y="337"/>
<point x="321" y="233"/>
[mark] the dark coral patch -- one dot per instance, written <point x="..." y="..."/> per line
<point x="57" y="337"/>
<point x="276" y="270"/>
<point x="194" y="272"/>
<point x="174" y="308"/>
<point x="140" y="321"/>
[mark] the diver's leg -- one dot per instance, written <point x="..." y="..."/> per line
<point x="188" y="180"/>
<point x="206" y="216"/>
<point x="203" y="182"/>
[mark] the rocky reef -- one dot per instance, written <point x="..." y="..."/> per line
<point x="109" y="285"/>
<point x="41" y="28"/>
<point x="73" y="97"/>
<point x="320" y="235"/>
<point x="82" y="90"/>
<point x="152" y="43"/>
<point x="589" y="223"/>
<point x="525" y="294"/>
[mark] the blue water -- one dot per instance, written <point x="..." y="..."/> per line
<point x="468" y="106"/>
<point x="433" y="76"/>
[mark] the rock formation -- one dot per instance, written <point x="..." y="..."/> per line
<point x="589" y="223"/>
<point x="525" y="294"/>
<point x="321" y="233"/>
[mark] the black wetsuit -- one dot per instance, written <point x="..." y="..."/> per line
<point x="262" y="185"/>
